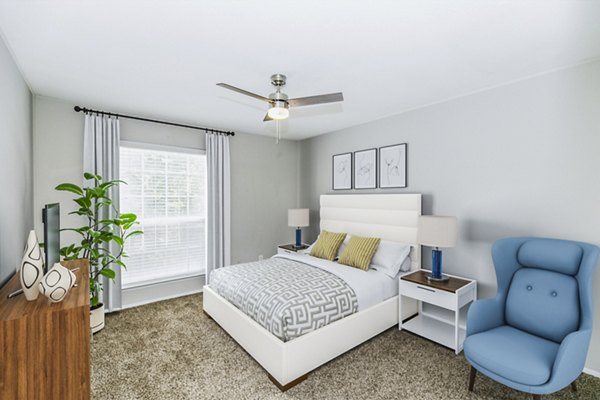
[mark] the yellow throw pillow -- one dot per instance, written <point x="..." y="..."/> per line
<point x="327" y="245"/>
<point x="359" y="252"/>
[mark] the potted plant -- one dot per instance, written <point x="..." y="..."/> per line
<point x="105" y="227"/>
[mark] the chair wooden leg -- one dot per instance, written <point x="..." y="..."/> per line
<point x="573" y="386"/>
<point x="472" y="376"/>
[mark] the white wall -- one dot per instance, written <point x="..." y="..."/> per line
<point x="263" y="174"/>
<point x="16" y="219"/>
<point x="58" y="158"/>
<point x="515" y="160"/>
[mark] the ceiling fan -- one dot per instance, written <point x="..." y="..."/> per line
<point x="279" y="103"/>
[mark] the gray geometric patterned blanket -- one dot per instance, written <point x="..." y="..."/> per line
<point x="288" y="298"/>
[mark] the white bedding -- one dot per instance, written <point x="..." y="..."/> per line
<point x="371" y="287"/>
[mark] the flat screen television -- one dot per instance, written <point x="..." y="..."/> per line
<point x="51" y="219"/>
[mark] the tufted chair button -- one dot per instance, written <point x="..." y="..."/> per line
<point x="529" y="287"/>
<point x="554" y="294"/>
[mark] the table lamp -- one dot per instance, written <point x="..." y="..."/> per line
<point x="437" y="231"/>
<point x="298" y="218"/>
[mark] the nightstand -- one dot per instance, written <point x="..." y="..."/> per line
<point x="290" y="248"/>
<point x="439" y="305"/>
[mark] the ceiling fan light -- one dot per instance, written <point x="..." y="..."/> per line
<point x="278" y="112"/>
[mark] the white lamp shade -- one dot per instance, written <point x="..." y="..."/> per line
<point x="437" y="231"/>
<point x="298" y="217"/>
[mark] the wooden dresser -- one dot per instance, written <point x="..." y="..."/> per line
<point x="45" y="347"/>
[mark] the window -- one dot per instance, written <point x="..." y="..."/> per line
<point x="166" y="190"/>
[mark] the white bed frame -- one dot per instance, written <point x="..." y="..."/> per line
<point x="390" y="217"/>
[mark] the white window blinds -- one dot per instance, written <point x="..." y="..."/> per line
<point x="166" y="189"/>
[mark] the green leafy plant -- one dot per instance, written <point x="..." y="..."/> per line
<point x="100" y="230"/>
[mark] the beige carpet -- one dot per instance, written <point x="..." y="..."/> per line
<point x="171" y="350"/>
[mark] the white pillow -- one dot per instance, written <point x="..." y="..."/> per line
<point x="309" y="248"/>
<point x="389" y="257"/>
<point x="342" y="247"/>
<point x="406" y="265"/>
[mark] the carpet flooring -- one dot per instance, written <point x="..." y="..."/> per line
<point x="172" y="351"/>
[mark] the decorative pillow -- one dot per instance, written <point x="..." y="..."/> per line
<point x="389" y="257"/>
<point x="327" y="245"/>
<point x="359" y="252"/>
<point x="340" y="250"/>
<point x="342" y="247"/>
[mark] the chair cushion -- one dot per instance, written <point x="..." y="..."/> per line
<point x="543" y="303"/>
<point x="551" y="254"/>
<point x="513" y="354"/>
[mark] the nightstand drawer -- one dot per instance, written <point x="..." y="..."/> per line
<point x="284" y="251"/>
<point x="428" y="294"/>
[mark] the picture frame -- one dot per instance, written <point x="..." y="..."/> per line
<point x="365" y="169"/>
<point x="341" y="171"/>
<point x="392" y="166"/>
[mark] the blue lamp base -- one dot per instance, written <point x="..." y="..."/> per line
<point x="298" y="237"/>
<point x="436" y="267"/>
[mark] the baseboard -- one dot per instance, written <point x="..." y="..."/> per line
<point x="139" y="296"/>
<point x="592" y="372"/>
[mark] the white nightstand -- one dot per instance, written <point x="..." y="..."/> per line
<point x="290" y="248"/>
<point x="441" y="323"/>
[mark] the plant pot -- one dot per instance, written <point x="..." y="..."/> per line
<point x="97" y="318"/>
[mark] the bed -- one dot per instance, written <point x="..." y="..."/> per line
<point x="289" y="354"/>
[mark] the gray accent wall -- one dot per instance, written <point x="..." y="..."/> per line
<point x="264" y="180"/>
<point x="16" y="219"/>
<point x="521" y="159"/>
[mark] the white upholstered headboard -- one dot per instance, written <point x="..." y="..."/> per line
<point x="392" y="217"/>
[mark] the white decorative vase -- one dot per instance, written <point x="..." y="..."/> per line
<point x="97" y="318"/>
<point x="57" y="283"/>
<point x="32" y="268"/>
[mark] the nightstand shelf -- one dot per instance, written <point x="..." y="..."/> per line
<point x="435" y="329"/>
<point x="440" y="305"/>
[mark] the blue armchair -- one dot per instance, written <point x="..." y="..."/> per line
<point x="534" y="336"/>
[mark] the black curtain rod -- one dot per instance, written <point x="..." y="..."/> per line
<point x="209" y="130"/>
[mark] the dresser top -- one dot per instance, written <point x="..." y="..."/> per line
<point x="18" y="306"/>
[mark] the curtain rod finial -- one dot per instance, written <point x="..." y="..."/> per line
<point x="77" y="108"/>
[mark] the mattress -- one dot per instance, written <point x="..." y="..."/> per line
<point x="293" y="294"/>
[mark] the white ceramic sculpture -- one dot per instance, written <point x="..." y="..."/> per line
<point x="57" y="283"/>
<point x="32" y="268"/>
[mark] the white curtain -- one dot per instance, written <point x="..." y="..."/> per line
<point x="218" y="241"/>
<point x="101" y="157"/>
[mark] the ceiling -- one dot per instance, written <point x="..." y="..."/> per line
<point x="163" y="58"/>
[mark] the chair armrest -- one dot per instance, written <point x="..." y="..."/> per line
<point x="570" y="359"/>
<point x="484" y="315"/>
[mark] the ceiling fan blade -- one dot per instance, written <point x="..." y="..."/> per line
<point x="320" y="99"/>
<point x="267" y="118"/>
<point x="242" y="91"/>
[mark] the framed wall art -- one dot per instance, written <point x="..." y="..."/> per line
<point x="342" y="171"/>
<point x="365" y="169"/>
<point x="392" y="166"/>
